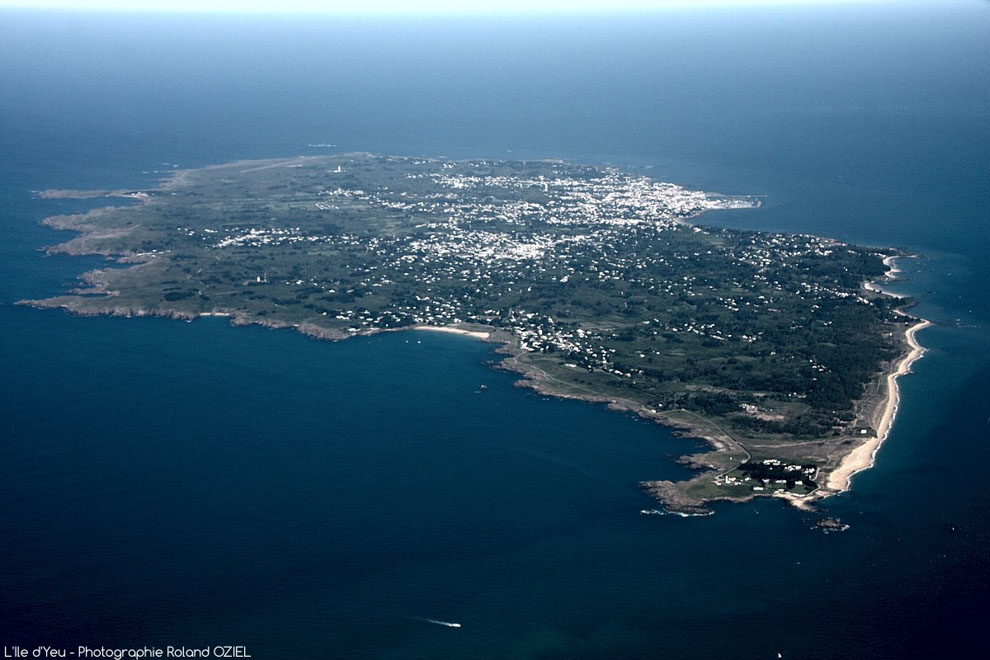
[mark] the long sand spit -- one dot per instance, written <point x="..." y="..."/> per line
<point x="864" y="456"/>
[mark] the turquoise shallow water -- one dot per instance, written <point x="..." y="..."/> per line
<point x="192" y="483"/>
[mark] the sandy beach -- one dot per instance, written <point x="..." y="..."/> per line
<point x="891" y="275"/>
<point x="477" y="334"/>
<point x="890" y="263"/>
<point x="864" y="456"/>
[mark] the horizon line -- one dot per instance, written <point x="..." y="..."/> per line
<point x="426" y="8"/>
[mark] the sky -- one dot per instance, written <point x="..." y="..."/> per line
<point x="398" y="6"/>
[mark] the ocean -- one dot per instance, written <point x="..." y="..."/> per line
<point x="193" y="484"/>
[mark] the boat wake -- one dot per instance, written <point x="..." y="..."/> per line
<point x="449" y="624"/>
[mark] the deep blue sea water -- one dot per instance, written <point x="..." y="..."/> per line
<point x="195" y="484"/>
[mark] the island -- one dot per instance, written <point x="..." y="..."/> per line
<point x="779" y="350"/>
